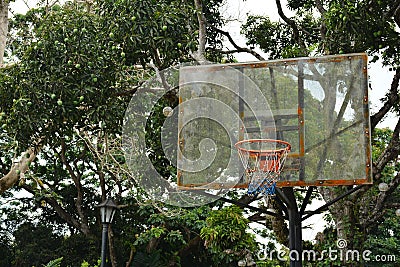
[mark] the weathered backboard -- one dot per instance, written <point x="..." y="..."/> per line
<point x="319" y="105"/>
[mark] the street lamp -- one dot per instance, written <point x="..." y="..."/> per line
<point x="383" y="187"/>
<point x="242" y="263"/>
<point x="107" y="211"/>
<point x="398" y="212"/>
<point x="247" y="261"/>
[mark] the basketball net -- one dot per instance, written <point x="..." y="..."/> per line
<point x="263" y="160"/>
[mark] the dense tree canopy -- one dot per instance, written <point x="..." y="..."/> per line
<point x="72" y="71"/>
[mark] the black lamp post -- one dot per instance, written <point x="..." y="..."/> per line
<point x="107" y="211"/>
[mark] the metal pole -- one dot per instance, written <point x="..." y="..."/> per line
<point x="306" y="199"/>
<point x="295" y="235"/>
<point x="333" y="201"/>
<point x="104" y="238"/>
<point x="298" y="239"/>
<point x="295" y="238"/>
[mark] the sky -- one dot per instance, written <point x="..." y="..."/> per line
<point x="236" y="10"/>
<point x="21" y="6"/>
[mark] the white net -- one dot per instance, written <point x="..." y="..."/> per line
<point x="263" y="160"/>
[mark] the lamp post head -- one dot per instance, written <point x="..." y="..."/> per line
<point x="242" y="263"/>
<point x="383" y="187"/>
<point x="398" y="212"/>
<point x="107" y="210"/>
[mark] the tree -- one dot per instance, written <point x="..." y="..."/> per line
<point x="225" y="234"/>
<point x="3" y="27"/>
<point x="65" y="99"/>
<point x="36" y="245"/>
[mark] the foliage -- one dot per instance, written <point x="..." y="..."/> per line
<point x="342" y="27"/>
<point x="77" y="66"/>
<point x="226" y="231"/>
<point x="384" y="241"/>
<point x="169" y="27"/>
<point x="35" y="245"/>
<point x="384" y="237"/>
<point x="54" y="263"/>
<point x="67" y="78"/>
<point x="6" y="250"/>
<point x="171" y="235"/>
<point x="76" y="70"/>
<point x="86" y="264"/>
<point x="380" y="140"/>
<point x="275" y="38"/>
<point x="362" y="26"/>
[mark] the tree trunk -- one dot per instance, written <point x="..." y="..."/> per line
<point x="202" y="31"/>
<point x="17" y="169"/>
<point x="3" y="28"/>
<point x="131" y="255"/>
<point x="113" y="256"/>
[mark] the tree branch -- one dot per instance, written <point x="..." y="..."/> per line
<point x="113" y="256"/>
<point x="238" y="48"/>
<point x="379" y="211"/>
<point x="17" y="169"/>
<point x="395" y="12"/>
<point x="79" y="196"/>
<point x="392" y="99"/>
<point x="70" y="220"/>
<point x="130" y="92"/>
<point x="322" y="29"/>
<point x="392" y="205"/>
<point x="320" y="7"/>
<point x="3" y="27"/>
<point x="391" y="152"/>
<point x="202" y="31"/>
<point x="256" y="217"/>
<point x="292" y="24"/>
<point x="396" y="16"/>
<point x="131" y="255"/>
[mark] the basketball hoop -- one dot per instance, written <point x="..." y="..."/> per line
<point x="263" y="160"/>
